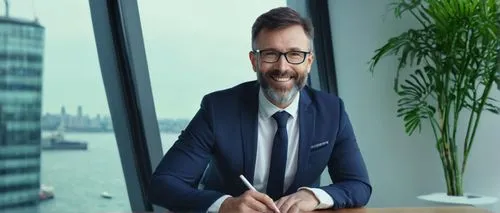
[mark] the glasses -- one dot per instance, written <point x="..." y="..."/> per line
<point x="271" y="56"/>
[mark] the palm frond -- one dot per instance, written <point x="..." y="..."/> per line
<point x="412" y="46"/>
<point x="414" y="105"/>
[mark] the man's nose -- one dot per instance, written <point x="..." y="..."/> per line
<point x="282" y="63"/>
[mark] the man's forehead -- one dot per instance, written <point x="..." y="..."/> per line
<point x="287" y="49"/>
<point x="289" y="38"/>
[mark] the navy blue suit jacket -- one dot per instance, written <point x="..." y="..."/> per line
<point x="223" y="133"/>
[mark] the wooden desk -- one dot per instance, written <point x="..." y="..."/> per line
<point x="410" y="210"/>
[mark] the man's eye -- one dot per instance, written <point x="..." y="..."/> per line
<point x="270" y="54"/>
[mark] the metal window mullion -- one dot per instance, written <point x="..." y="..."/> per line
<point x="125" y="75"/>
<point x="323" y="45"/>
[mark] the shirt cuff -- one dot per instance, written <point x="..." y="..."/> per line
<point x="214" y="208"/>
<point x="325" y="200"/>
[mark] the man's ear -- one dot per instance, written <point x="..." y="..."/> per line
<point x="310" y="60"/>
<point x="253" y="60"/>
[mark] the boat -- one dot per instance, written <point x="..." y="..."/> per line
<point x="56" y="141"/>
<point x="106" y="195"/>
<point x="46" y="192"/>
<point x="57" y="144"/>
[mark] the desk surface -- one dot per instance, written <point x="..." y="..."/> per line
<point x="411" y="210"/>
<point x="405" y="210"/>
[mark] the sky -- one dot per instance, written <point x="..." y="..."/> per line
<point x="193" y="47"/>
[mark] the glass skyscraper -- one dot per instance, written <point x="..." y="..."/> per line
<point x="21" y="64"/>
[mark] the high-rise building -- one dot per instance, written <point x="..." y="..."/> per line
<point x="80" y="111"/>
<point x="21" y="62"/>
<point x="63" y="111"/>
<point x="64" y="117"/>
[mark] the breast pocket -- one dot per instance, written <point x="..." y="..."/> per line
<point x="319" y="155"/>
<point x="319" y="145"/>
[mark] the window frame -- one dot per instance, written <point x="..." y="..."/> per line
<point x="128" y="89"/>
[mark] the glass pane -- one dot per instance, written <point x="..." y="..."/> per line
<point x="194" y="48"/>
<point x="58" y="152"/>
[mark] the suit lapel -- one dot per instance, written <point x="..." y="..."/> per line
<point x="306" y="126"/>
<point x="249" y="122"/>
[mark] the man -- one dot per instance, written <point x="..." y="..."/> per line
<point x="276" y="132"/>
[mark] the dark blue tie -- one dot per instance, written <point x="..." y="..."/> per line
<point x="276" y="178"/>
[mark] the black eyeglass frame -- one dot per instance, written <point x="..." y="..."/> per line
<point x="305" y="53"/>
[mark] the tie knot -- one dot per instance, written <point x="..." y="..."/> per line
<point x="281" y="118"/>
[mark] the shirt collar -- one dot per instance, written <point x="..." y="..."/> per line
<point x="267" y="109"/>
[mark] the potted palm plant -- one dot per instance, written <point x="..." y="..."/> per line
<point x="452" y="61"/>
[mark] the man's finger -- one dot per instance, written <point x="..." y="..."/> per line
<point x="281" y="201"/>
<point x="294" y="208"/>
<point x="246" y="208"/>
<point x="288" y="204"/>
<point x="266" y="200"/>
<point x="255" y="205"/>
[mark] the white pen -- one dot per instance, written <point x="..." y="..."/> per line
<point x="245" y="181"/>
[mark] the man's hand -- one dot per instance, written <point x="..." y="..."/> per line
<point x="250" y="201"/>
<point x="303" y="200"/>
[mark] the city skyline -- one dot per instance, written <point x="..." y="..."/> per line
<point x="84" y="113"/>
<point x="82" y="122"/>
<point x="174" y="51"/>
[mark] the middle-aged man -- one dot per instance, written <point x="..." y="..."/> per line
<point x="276" y="131"/>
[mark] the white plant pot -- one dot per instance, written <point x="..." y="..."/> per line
<point x="468" y="199"/>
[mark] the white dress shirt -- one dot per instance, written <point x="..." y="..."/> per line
<point x="266" y="130"/>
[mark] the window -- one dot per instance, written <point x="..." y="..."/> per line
<point x="194" y="48"/>
<point x="52" y="96"/>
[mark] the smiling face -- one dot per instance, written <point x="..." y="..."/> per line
<point x="282" y="80"/>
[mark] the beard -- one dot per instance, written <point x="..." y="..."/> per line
<point x="281" y="95"/>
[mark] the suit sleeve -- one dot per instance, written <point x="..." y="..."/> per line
<point x="174" y="184"/>
<point x="350" y="186"/>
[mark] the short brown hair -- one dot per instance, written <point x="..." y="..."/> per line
<point x="281" y="17"/>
